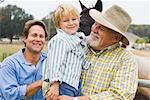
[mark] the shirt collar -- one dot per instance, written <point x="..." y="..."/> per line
<point x="22" y="59"/>
<point x="73" y="39"/>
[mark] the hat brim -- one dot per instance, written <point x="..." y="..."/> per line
<point x="98" y="17"/>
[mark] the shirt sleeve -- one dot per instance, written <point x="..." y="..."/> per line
<point x="9" y="86"/>
<point x="55" y="66"/>
<point x="124" y="84"/>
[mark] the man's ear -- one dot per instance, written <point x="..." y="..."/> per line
<point x="23" y="39"/>
<point x="118" y="37"/>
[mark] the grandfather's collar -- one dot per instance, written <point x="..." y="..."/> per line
<point x="96" y="52"/>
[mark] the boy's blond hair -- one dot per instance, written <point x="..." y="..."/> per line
<point x="64" y="10"/>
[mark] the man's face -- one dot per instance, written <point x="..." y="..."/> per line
<point x="35" y="40"/>
<point x="100" y="37"/>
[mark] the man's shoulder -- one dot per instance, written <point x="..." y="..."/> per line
<point x="124" y="53"/>
<point x="13" y="58"/>
<point x="9" y="61"/>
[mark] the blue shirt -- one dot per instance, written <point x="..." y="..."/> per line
<point x="16" y="73"/>
<point x="65" y="58"/>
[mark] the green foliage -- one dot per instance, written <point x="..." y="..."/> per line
<point x="4" y="55"/>
<point x="50" y="25"/>
<point x="140" y="40"/>
<point x="147" y="39"/>
<point x="7" y="49"/>
<point x="12" y="19"/>
<point x="140" y="30"/>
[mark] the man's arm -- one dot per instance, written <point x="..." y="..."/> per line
<point x="34" y="87"/>
<point x="10" y="88"/>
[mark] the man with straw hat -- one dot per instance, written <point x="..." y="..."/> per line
<point x="113" y="72"/>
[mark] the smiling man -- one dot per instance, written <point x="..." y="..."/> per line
<point x="21" y="73"/>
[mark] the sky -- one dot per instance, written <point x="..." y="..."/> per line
<point x="139" y="10"/>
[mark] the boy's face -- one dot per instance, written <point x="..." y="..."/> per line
<point x="69" y="24"/>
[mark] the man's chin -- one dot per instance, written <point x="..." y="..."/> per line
<point x="37" y="50"/>
<point x="94" y="44"/>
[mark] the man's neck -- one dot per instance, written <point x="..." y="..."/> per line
<point x="32" y="58"/>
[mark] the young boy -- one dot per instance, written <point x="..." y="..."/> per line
<point x="65" y="57"/>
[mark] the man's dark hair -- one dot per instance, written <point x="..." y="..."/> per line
<point x="30" y="23"/>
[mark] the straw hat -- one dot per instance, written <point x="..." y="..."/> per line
<point x="114" y="18"/>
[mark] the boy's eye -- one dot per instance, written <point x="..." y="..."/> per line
<point x="65" y="20"/>
<point x="74" y="19"/>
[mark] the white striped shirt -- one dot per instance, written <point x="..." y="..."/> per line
<point x="65" y="58"/>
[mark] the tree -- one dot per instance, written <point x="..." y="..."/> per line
<point x="140" y="30"/>
<point x="140" y="41"/>
<point x="12" y="19"/>
<point x="48" y="20"/>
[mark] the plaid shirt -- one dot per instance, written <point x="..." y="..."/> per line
<point x="112" y="75"/>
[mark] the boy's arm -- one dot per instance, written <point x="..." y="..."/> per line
<point x="57" y="53"/>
